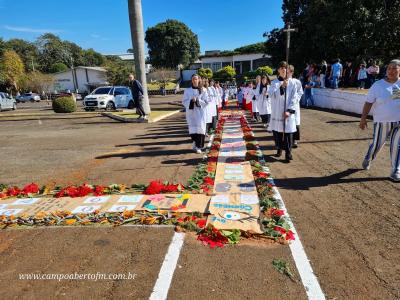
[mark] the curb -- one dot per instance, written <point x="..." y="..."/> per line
<point x="131" y="120"/>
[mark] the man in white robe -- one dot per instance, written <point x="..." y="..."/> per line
<point x="283" y="109"/>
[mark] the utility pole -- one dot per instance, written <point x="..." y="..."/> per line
<point x="137" y="35"/>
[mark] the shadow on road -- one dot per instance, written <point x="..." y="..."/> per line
<point x="305" y="183"/>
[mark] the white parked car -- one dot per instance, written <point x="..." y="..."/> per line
<point x="109" y="98"/>
<point x="7" y="102"/>
<point x="28" y="97"/>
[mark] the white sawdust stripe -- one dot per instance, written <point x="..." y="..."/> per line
<point x="308" y="278"/>
<point x="160" y="290"/>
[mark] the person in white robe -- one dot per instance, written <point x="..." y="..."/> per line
<point x="255" y="105"/>
<point x="284" y="98"/>
<point x="211" y="107"/>
<point x="299" y="90"/>
<point x="214" y="93"/>
<point x="195" y="100"/>
<point x="263" y="101"/>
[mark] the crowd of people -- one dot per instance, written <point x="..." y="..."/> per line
<point x="276" y="104"/>
<point x="338" y="74"/>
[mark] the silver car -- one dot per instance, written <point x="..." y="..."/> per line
<point x="28" y="97"/>
<point x="7" y="102"/>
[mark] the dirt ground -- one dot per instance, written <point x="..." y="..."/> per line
<point x="347" y="218"/>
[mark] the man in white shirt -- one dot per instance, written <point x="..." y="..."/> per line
<point x="384" y="95"/>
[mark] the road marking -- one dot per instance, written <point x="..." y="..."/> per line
<point x="160" y="290"/>
<point x="308" y="278"/>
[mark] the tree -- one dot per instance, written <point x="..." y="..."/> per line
<point x="37" y="82"/>
<point x="348" y="29"/>
<point x="171" y="43"/>
<point x="162" y="76"/>
<point x="205" y="73"/>
<point x="263" y="71"/>
<point x="11" y="69"/>
<point x="118" y="70"/>
<point x="27" y="51"/>
<point x="225" y="74"/>
<point x="51" y="51"/>
<point x="92" y="58"/>
<point x="58" y="67"/>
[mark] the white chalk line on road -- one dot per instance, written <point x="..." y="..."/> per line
<point x="161" y="288"/>
<point x="308" y="278"/>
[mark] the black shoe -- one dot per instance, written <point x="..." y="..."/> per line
<point x="279" y="153"/>
<point x="288" y="156"/>
<point x="295" y="145"/>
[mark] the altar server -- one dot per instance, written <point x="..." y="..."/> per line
<point x="299" y="91"/>
<point x="195" y="101"/>
<point x="263" y="101"/>
<point x="212" y="105"/>
<point x="283" y="118"/>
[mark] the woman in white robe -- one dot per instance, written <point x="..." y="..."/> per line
<point x="283" y="117"/>
<point x="211" y="107"/>
<point x="256" y="88"/>
<point x="264" y="102"/>
<point x="195" y="100"/>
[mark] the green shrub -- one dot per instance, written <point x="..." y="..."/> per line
<point x="64" y="105"/>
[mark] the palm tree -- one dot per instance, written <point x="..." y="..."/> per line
<point x="137" y="35"/>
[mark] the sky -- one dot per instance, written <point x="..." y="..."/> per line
<point x="104" y="24"/>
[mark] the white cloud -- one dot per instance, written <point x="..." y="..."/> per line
<point x="32" y="30"/>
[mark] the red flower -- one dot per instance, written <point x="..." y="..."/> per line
<point x="32" y="188"/>
<point x="277" y="212"/>
<point x="280" y="230"/>
<point x="13" y="191"/>
<point x="170" y="188"/>
<point x="3" y="195"/>
<point x="205" y="188"/>
<point x="193" y="218"/>
<point x="289" y="235"/>
<point x="155" y="187"/>
<point x="201" y="223"/>
<point x="181" y="220"/>
<point x="208" y="180"/>
<point x="261" y="174"/>
<point x="99" y="190"/>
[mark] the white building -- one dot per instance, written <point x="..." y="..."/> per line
<point x="81" y="79"/>
<point x="241" y="62"/>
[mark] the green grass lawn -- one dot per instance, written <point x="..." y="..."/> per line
<point x="156" y="87"/>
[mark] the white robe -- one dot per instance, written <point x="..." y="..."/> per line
<point x="277" y="106"/>
<point x="264" y="102"/>
<point x="196" y="117"/>
<point x="248" y="94"/>
<point x="215" y="97"/>
<point x="220" y="94"/>
<point x="212" y="105"/>
<point x="299" y="90"/>
<point x="254" y="104"/>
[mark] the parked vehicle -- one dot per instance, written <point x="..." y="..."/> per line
<point x="7" y="102"/>
<point x="28" y="97"/>
<point x="109" y="98"/>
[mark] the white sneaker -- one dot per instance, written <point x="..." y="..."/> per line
<point x="366" y="164"/>
<point x="198" y="151"/>
<point x="145" y="118"/>
<point x="395" y="177"/>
